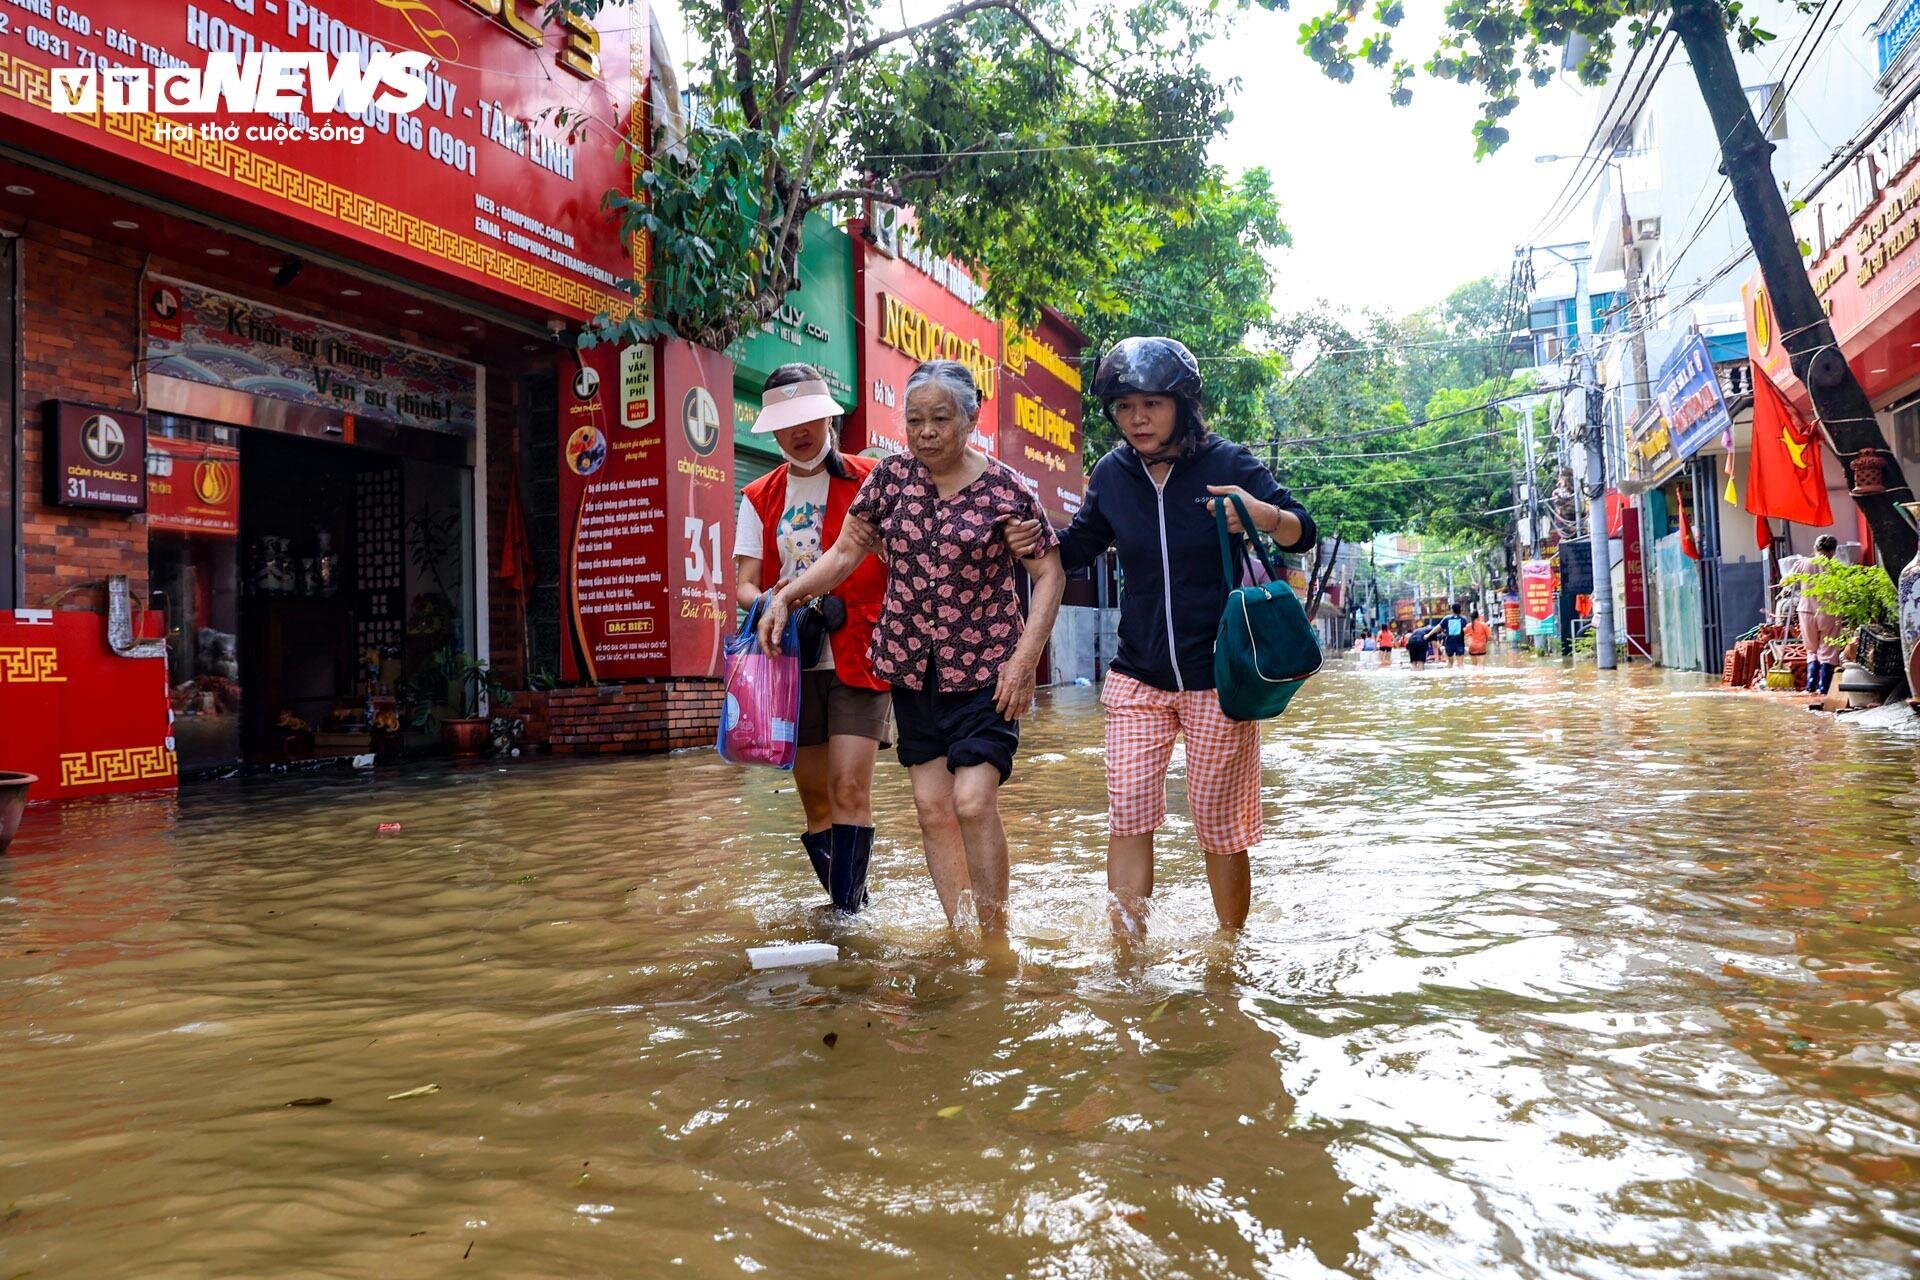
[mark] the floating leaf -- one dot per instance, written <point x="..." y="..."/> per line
<point x="422" y="1091"/>
<point x="830" y="1039"/>
<point x="948" y="1113"/>
<point x="310" y="1102"/>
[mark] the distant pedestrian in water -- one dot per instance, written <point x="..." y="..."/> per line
<point x="1819" y="631"/>
<point x="1385" y="640"/>
<point x="1478" y="634"/>
<point x="1154" y="497"/>
<point x="1419" y="640"/>
<point x="1453" y="636"/>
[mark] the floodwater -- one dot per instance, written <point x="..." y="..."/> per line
<point x="1546" y="976"/>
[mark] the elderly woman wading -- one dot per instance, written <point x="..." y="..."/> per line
<point x="950" y="638"/>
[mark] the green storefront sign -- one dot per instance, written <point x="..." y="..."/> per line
<point x="814" y="327"/>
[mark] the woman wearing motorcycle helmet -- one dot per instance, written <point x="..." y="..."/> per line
<point x="1153" y="498"/>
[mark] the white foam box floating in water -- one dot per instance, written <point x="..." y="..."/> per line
<point x="793" y="955"/>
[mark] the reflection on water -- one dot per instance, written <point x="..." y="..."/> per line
<point x="1540" y="980"/>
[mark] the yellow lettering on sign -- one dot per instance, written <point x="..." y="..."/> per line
<point x="918" y="336"/>
<point x="1041" y="422"/>
<point x="580" y="53"/>
<point x="580" y="42"/>
<point x="1023" y="345"/>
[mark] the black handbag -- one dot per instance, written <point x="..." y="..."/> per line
<point x="819" y="619"/>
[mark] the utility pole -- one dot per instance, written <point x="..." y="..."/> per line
<point x="1592" y="435"/>
<point x="1597" y="535"/>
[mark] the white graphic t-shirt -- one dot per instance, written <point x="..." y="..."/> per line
<point x="800" y="535"/>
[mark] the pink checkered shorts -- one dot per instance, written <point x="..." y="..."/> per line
<point x="1223" y="763"/>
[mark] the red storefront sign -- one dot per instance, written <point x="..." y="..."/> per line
<point x="479" y="186"/>
<point x="1536" y="595"/>
<point x="201" y="335"/>
<point x="82" y="718"/>
<point x="96" y="457"/>
<point x="193" y="488"/>
<point x="1864" y="227"/>
<point x="1040" y="409"/>
<point x="1634" y="567"/>
<point x="914" y="308"/>
<point x="645" y="512"/>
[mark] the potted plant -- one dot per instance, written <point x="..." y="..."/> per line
<point x="1862" y="598"/>
<point x="455" y="683"/>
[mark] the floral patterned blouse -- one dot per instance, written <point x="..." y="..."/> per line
<point x="951" y="598"/>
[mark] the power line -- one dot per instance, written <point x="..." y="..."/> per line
<point x="964" y="154"/>
<point x="1387" y="484"/>
<point x="1421" y="422"/>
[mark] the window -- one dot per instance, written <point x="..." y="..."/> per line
<point x="1770" y="109"/>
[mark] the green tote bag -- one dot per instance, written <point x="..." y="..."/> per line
<point x="1266" y="648"/>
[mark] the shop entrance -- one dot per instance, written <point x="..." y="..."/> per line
<point x="306" y="586"/>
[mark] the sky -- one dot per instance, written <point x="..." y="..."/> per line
<point x="1387" y="205"/>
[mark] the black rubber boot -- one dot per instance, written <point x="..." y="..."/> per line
<point x="852" y="851"/>
<point x="819" y="846"/>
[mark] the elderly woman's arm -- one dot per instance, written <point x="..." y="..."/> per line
<point x="1015" y="692"/>
<point x="856" y="540"/>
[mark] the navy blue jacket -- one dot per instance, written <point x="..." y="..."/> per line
<point x="1170" y="554"/>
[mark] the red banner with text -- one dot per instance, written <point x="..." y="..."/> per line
<point x="1040" y="410"/>
<point x="484" y="159"/>
<point x="646" y="508"/>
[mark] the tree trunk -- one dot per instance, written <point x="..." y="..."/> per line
<point x="1838" y="399"/>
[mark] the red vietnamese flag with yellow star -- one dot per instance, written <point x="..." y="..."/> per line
<point x="1785" y="478"/>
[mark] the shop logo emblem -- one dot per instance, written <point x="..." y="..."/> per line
<point x="213" y="482"/>
<point x="165" y="303"/>
<point x="103" y="439"/>
<point x="700" y="419"/>
<point x="586" y="383"/>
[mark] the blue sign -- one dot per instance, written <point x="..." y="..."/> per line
<point x="1688" y="393"/>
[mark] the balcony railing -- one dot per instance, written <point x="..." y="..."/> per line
<point x="1901" y="26"/>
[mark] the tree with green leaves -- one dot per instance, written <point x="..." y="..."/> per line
<point x="1501" y="48"/>
<point x="1038" y="141"/>
<point x="1198" y="275"/>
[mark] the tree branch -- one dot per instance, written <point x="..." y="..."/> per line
<point x="783" y="61"/>
<point x="866" y="48"/>
<point x="742" y="61"/>
<point x="891" y="193"/>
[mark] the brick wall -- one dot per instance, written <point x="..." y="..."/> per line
<point x="77" y="343"/>
<point x="655" y="715"/>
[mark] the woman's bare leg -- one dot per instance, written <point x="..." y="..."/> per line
<point x="940" y="833"/>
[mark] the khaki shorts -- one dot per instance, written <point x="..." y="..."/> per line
<point x="831" y="708"/>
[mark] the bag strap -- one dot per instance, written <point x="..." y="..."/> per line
<point x="1253" y="540"/>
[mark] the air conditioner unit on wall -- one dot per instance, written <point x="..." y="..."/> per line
<point x="1646" y="229"/>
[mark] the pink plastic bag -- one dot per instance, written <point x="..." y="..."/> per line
<point x="760" y="720"/>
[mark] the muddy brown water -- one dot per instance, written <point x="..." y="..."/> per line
<point x="1545" y="977"/>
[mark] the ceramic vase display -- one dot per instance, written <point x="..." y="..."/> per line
<point x="1910" y="613"/>
<point x="13" y="803"/>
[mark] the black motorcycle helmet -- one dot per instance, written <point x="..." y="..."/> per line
<point x="1153" y="367"/>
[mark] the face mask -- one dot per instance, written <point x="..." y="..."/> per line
<point x="806" y="464"/>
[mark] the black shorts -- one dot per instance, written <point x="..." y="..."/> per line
<point x="965" y="728"/>
<point x="1456" y="645"/>
<point x="1417" y="651"/>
